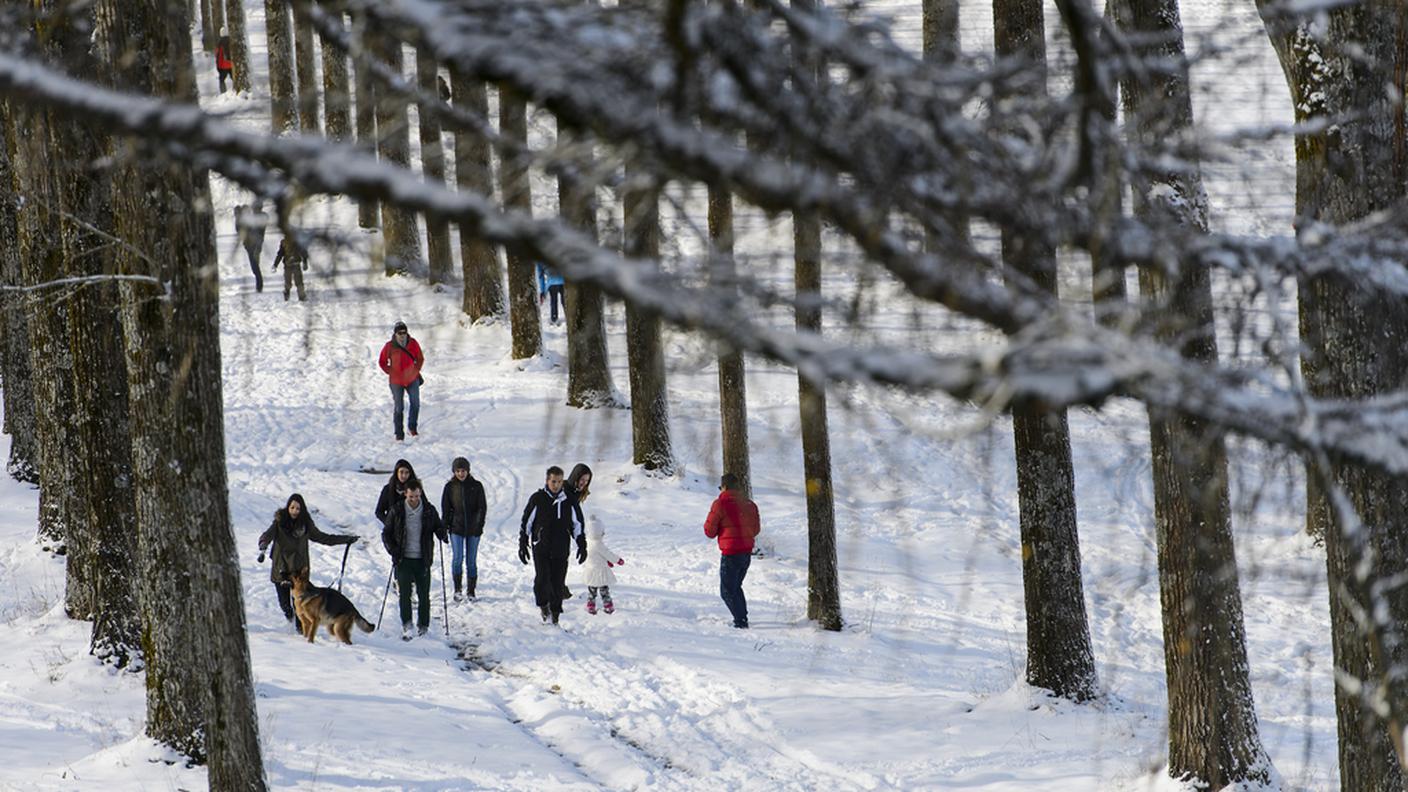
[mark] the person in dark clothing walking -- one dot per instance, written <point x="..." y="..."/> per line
<point x="733" y="519"/>
<point x="292" y="255"/>
<point x="552" y="521"/>
<point x="289" y="534"/>
<point x="250" y="222"/>
<point x="409" y="536"/>
<point x="463" y="508"/>
<point x="395" y="490"/>
<point x="223" y="66"/>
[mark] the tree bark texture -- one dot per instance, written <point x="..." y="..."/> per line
<point x="239" y="44"/>
<point x="368" y="210"/>
<point x="823" y="585"/>
<point x="432" y="161"/>
<point x="939" y="32"/>
<point x="217" y="18"/>
<point x="305" y="55"/>
<point x="337" y="91"/>
<point x="479" y="260"/>
<point x="400" y="233"/>
<point x="645" y="352"/>
<point x="18" y="389"/>
<point x="514" y="184"/>
<point x="207" y="26"/>
<point x="588" y="362"/>
<point x="1059" y="656"/>
<point x="200" y="691"/>
<point x="1213" y="735"/>
<point x="733" y="391"/>
<point x="1353" y="341"/>
<point x="279" y="34"/>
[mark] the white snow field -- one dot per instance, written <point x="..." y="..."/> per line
<point x="924" y="687"/>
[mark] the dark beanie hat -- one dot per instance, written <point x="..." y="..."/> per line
<point x="460" y="463"/>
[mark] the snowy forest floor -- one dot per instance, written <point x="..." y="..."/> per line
<point x="922" y="689"/>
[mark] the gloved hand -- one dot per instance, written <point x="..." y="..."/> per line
<point x="523" y="548"/>
<point x="261" y="558"/>
<point x="581" y="552"/>
<point x="608" y="563"/>
<point x="620" y="562"/>
<point x="305" y="266"/>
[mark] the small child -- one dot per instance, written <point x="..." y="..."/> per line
<point x="598" y="575"/>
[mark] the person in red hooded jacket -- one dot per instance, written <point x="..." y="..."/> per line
<point x="733" y="519"/>
<point x="223" y="66"/>
<point x="402" y="360"/>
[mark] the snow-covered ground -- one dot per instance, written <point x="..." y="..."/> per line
<point x="922" y="690"/>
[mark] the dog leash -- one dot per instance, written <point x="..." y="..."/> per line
<point x="345" y="550"/>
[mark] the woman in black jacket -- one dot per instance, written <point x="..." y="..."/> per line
<point x="462" y="507"/>
<point x="289" y="534"/>
<point x="395" y="490"/>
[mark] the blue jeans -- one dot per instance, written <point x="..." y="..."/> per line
<point x="458" y="546"/>
<point x="732" y="570"/>
<point x="398" y="408"/>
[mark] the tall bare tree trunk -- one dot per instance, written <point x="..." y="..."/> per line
<point x="588" y="363"/>
<point x="479" y="260"/>
<point x="305" y="66"/>
<point x="217" y="17"/>
<point x="279" y="34"/>
<point x="239" y="44"/>
<point x="939" y="31"/>
<point x="399" y="230"/>
<point x="368" y="210"/>
<point x="1059" y="657"/>
<point x="733" y="391"/>
<point x="207" y="26"/>
<point x="645" y="350"/>
<point x="337" y="91"/>
<point x="18" y="384"/>
<point x="524" y="323"/>
<point x="432" y="161"/>
<point x="200" y="692"/>
<point x="1213" y="737"/>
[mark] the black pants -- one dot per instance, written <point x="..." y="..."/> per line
<point x="604" y="591"/>
<point x="285" y="593"/>
<point x="254" y="252"/>
<point x="555" y="295"/>
<point x="549" y="580"/>
<point x="414" y="572"/>
<point x="224" y="75"/>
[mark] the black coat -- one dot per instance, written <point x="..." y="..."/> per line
<point x="468" y="521"/>
<point x="393" y="534"/>
<point x="390" y="496"/>
<point x="552" y="523"/>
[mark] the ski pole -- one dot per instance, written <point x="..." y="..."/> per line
<point x="444" y="601"/>
<point x="346" y="548"/>
<point x="386" y="594"/>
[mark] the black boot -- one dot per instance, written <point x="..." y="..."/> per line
<point x="459" y="589"/>
<point x="473" y="580"/>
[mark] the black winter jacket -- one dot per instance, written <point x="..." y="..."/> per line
<point x="468" y="521"/>
<point x="393" y="534"/>
<point x="552" y="522"/>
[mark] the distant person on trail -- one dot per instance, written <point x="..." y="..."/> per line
<point x="289" y="534"/>
<point x="250" y="222"/>
<point x="734" y="520"/>
<point x="223" y="66"/>
<point x="292" y="255"/>
<point x="395" y="490"/>
<point x="597" y="573"/>
<point x="552" y="521"/>
<point x="463" y="508"/>
<point x="409" y="536"/>
<point x="551" y="284"/>
<point x="402" y="360"/>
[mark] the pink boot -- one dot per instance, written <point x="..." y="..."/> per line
<point x="608" y="607"/>
<point x="591" y="607"/>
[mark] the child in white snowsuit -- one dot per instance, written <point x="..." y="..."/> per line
<point x="597" y="573"/>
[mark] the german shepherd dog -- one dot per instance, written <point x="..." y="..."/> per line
<point x="316" y="605"/>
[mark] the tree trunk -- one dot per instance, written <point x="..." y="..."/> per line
<point x="305" y="65"/>
<point x="1213" y="736"/>
<point x="518" y="195"/>
<point x="939" y="31"/>
<point x="432" y="161"/>
<point x="733" y="391"/>
<point x="645" y="352"/>
<point x="279" y="34"/>
<point x="1059" y="657"/>
<point x="239" y="44"/>
<point x="18" y="391"/>
<point x="337" y="92"/>
<point x="479" y="260"/>
<point x="200" y="692"/>
<point x="368" y="210"/>
<point x="400" y="233"/>
<point x="207" y="26"/>
<point x="217" y="17"/>
<point x="1353" y="341"/>
<point x="823" y="586"/>
<point x="588" y="362"/>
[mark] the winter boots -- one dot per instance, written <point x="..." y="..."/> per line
<point x="547" y="613"/>
<point x="405" y="631"/>
<point x="459" y="592"/>
<point x="591" y="607"/>
<point x="608" y="607"/>
<point x="473" y="580"/>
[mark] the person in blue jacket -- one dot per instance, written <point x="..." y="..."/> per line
<point x="550" y="284"/>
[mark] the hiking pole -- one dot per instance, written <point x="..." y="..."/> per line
<point x="386" y="594"/>
<point x="444" y="601"/>
<point x="345" y="550"/>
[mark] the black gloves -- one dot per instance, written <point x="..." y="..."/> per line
<point x="261" y="558"/>
<point x="581" y="551"/>
<point x="523" y="547"/>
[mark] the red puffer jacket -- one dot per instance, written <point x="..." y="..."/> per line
<point x="734" y="520"/>
<point x="399" y="366"/>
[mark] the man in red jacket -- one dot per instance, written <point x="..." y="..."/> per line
<point x="402" y="359"/>
<point x="734" y="520"/>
